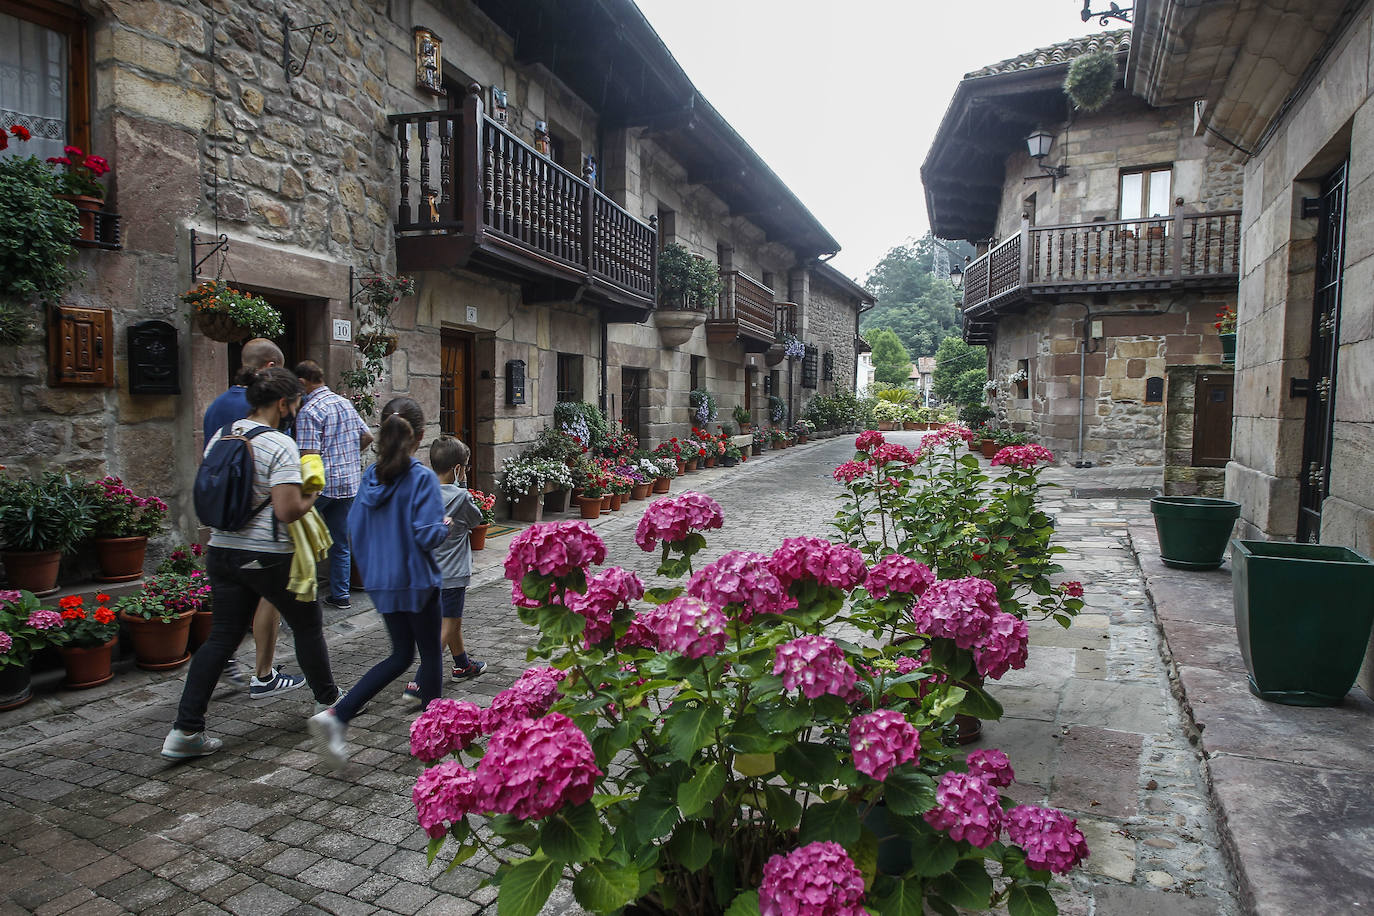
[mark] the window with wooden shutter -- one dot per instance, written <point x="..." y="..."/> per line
<point x="810" y="369"/>
<point x="81" y="347"/>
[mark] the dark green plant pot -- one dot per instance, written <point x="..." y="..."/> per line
<point x="1193" y="530"/>
<point x="1303" y="618"/>
<point x="1228" y="349"/>
<point x="894" y="848"/>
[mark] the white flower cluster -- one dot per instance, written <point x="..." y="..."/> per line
<point x="521" y="476"/>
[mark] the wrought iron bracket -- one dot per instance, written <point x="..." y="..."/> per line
<point x="293" y="68"/>
<point x="1113" y="12"/>
<point x="219" y="246"/>
<point x="1053" y="173"/>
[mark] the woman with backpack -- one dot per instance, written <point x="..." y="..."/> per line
<point x="396" y="521"/>
<point x="250" y="482"/>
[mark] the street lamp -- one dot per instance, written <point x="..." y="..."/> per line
<point x="956" y="277"/>
<point x="1038" y="144"/>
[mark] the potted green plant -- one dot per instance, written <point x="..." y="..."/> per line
<point x="1303" y="618"/>
<point x="188" y="561"/>
<point x="158" y="618"/>
<point x="25" y="627"/>
<point x="87" y="640"/>
<point x="889" y="414"/>
<point x="226" y="314"/>
<point x="38" y="227"/>
<point x="703" y="406"/>
<point x="41" y="519"/>
<point x="486" y="504"/>
<point x="1226" y="333"/>
<point x="121" y="523"/>
<point x="742" y="417"/>
<point x="759" y="438"/>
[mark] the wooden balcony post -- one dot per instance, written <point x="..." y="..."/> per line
<point x="1177" y="272"/>
<point x="403" y="151"/>
<point x="1023" y="272"/>
<point x="653" y="258"/>
<point x="468" y="185"/>
<point x="589" y="240"/>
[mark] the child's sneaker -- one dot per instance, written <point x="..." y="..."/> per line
<point x="234" y="674"/>
<point x="182" y="745"/>
<point x="329" y="731"/>
<point x="275" y="683"/>
<point x="412" y="694"/>
<point x="471" y="670"/>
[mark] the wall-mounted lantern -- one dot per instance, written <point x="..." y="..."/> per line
<point x="429" y="61"/>
<point x="1038" y="144"/>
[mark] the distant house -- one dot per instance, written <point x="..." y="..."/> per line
<point x="1102" y="262"/>
<point x="922" y="376"/>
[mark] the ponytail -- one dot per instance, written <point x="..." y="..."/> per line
<point x="403" y="423"/>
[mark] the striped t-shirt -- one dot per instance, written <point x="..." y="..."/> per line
<point x="276" y="460"/>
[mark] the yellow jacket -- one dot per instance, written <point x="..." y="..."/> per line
<point x="312" y="540"/>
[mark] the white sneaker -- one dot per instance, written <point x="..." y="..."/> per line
<point x="321" y="707"/>
<point x="182" y="745"/>
<point x="329" y="731"/>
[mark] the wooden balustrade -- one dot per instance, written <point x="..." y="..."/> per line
<point x="1179" y="250"/>
<point x="460" y="173"/>
<point x="748" y="304"/>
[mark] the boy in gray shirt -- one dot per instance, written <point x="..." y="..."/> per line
<point x="448" y="457"/>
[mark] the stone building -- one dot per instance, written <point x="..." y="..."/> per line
<point x="1290" y="83"/>
<point x="523" y="161"/>
<point x="1103" y="262"/>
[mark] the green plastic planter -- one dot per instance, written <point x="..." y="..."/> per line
<point x="1193" y="530"/>
<point x="1303" y="617"/>
<point x="1228" y="349"/>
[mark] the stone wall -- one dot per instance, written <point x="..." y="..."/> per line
<point x="828" y="322"/>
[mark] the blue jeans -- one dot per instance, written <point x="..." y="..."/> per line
<point x="334" y="511"/>
<point x="409" y="631"/>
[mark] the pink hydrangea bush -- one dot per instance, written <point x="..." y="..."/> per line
<point x="445" y="727"/>
<point x="688" y="626"/>
<point x="992" y="765"/>
<point x="967" y="808"/>
<point x="1022" y="456"/>
<point x="673" y="518"/>
<point x="554" y="549"/>
<point x="818" y="879"/>
<point x="819" y="561"/>
<point x="896" y="574"/>
<point x="535" y="766"/>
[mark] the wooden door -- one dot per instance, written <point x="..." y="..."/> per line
<point x="456" y="384"/>
<point x="1212" y="401"/>
<point x="292" y="339"/>
<point x="632" y="385"/>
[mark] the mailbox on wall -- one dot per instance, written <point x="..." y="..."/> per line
<point x="515" y="381"/>
<point x="81" y="347"/>
<point x="154" y="362"/>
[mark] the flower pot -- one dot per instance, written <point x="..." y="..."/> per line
<point x="641" y="490"/>
<point x="477" y="536"/>
<point x="558" y="500"/>
<point x="884" y="426"/>
<point x="528" y="508"/>
<point x="204" y="621"/>
<point x="219" y="326"/>
<point x="88" y="666"/>
<point x="1303" y="618"/>
<point x="975" y="445"/>
<point x="756" y="449"/>
<point x="589" y="506"/>
<point x="910" y="425"/>
<point x="681" y="467"/>
<point x="86" y="208"/>
<point x="33" y="570"/>
<point x="616" y="500"/>
<point x="121" y="559"/>
<point x="801" y="440"/>
<point x="990" y="448"/>
<point x="159" y="646"/>
<point x="1228" y="348"/>
<point x="710" y="462"/>
<point x="692" y="465"/>
<point x="663" y="484"/>
<point x="15" y="686"/>
<point x="367" y="340"/>
<point x="1193" y="530"/>
<point x="744" y="428"/>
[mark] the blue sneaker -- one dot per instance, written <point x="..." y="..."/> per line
<point x="276" y="682"/>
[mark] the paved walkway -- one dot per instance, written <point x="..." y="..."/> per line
<point x="94" y="822"/>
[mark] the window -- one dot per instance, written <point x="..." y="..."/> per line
<point x="569" y="377"/>
<point x="768" y="279"/>
<point x="696" y="372"/>
<point x="1146" y="193"/>
<point x="667" y="227"/>
<point x="633" y="383"/>
<point x="43" y="82"/>
<point x="828" y="366"/>
<point x="809" y="368"/>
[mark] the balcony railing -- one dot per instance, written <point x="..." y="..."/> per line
<point x="747" y="311"/>
<point x="1186" y="249"/>
<point x="463" y="175"/>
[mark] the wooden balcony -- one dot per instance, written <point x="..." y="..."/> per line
<point x="747" y="312"/>
<point x="473" y="195"/>
<point x="1182" y="251"/>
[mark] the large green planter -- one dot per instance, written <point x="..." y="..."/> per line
<point x="1193" y="530"/>
<point x="1303" y="617"/>
<point x="1228" y="349"/>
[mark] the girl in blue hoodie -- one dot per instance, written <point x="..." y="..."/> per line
<point x="394" y="525"/>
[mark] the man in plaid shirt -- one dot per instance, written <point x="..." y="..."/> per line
<point x="328" y="425"/>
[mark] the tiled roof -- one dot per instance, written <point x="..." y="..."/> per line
<point x="1062" y="53"/>
<point x="925" y="364"/>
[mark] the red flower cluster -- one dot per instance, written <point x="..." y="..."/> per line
<point x="19" y="131"/>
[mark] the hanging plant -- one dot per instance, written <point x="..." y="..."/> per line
<point x="1091" y="80"/>
<point x="376" y="338"/>
<point x="227" y="314"/>
<point x="36" y="228"/>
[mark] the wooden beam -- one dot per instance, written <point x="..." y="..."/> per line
<point x="718" y="175"/>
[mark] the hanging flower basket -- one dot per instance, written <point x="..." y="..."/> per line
<point x="218" y="326"/>
<point x="227" y="314"/>
<point x="383" y="344"/>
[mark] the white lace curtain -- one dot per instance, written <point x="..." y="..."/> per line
<point x="33" y="86"/>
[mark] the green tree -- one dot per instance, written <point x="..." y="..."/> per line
<point x="960" y="371"/>
<point x="918" y="305"/>
<point x="891" y="362"/>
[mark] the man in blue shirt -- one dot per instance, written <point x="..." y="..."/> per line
<point x="267" y="681"/>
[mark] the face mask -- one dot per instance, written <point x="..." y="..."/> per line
<point x="286" y="421"/>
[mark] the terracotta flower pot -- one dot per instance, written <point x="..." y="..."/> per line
<point x="159" y="646"/>
<point x="605" y="502"/>
<point x="884" y="426"/>
<point x="589" y="506"/>
<point x="33" y="570"/>
<point x="756" y="449"/>
<point x="89" y="666"/>
<point x="662" y="484"/>
<point x="692" y="465"/>
<point x="204" y="621"/>
<point x="617" y="499"/>
<point x="121" y="559"/>
<point x="801" y="440"/>
<point x="990" y="448"/>
<point x="15" y="686"/>
<point x="477" y="536"/>
<point x="641" y="491"/>
<point x="975" y="445"/>
<point x="86" y="207"/>
<point x="710" y="462"/>
<point x="681" y="467"/>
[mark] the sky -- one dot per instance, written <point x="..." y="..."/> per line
<point x="842" y="99"/>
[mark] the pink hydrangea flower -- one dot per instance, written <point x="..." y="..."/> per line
<point x="10" y="595"/>
<point x="817" y="559"/>
<point x="6" y="642"/>
<point x="606" y="591"/>
<point x="444" y="727"/>
<point x="814" y="665"/>
<point x="444" y="795"/>
<point x="957" y="609"/>
<point x="851" y="471"/>
<point x="520" y="599"/>
<point x="529" y="697"/>
<point x="907" y="665"/>
<point x="641" y="632"/>
<point x="44" y="619"/>
<point x="818" y="879"/>
<point x="1023" y="456"/>
<point x="1072" y="589"/>
<point x="535" y="766"/>
<point x="1002" y="646"/>
<point x="993" y="766"/>
<point x="868" y="439"/>
<point x="741" y="578"/>
<point x="881" y="740"/>
<point x="896" y="573"/>
<point x="555" y="549"/>
<point x="1051" y="839"/>
<point x="689" y="626"/>
<point x="889" y="452"/>
<point x="672" y="518"/>
<point x="968" y="808"/>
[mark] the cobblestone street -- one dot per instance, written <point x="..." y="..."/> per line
<point x="93" y="821"/>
